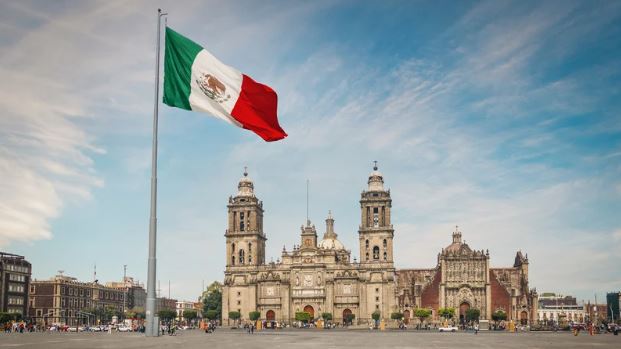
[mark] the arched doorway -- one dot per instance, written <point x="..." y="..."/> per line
<point x="347" y="316"/>
<point x="270" y="315"/>
<point x="406" y="316"/>
<point x="524" y="318"/>
<point x="309" y="309"/>
<point x="463" y="308"/>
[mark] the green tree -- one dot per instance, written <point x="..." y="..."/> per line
<point x="447" y="313"/>
<point x="302" y="316"/>
<point x="499" y="315"/>
<point x="212" y="315"/>
<point x="349" y="318"/>
<point x="473" y="314"/>
<point x="5" y="317"/>
<point x="212" y="300"/>
<point x="376" y="315"/>
<point x="234" y="315"/>
<point x="422" y="314"/>
<point x="254" y="315"/>
<point x="167" y="314"/>
<point x="326" y="316"/>
<point x="190" y="315"/>
<point x="396" y="316"/>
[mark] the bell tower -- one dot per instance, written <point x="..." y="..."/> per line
<point x="245" y="240"/>
<point x="376" y="232"/>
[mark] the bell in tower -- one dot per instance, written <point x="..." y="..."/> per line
<point x="245" y="240"/>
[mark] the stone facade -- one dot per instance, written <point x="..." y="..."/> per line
<point x="463" y="279"/>
<point x="318" y="276"/>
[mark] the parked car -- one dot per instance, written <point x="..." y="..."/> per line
<point x="448" y="329"/>
<point x="124" y="328"/>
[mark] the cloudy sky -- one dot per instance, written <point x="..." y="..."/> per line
<point x="502" y="118"/>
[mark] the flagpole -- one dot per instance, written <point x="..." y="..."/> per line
<point x="152" y="321"/>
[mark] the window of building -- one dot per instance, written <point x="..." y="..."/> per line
<point x="367" y="255"/>
<point x="376" y="252"/>
<point x="241" y="256"/>
<point x="250" y="247"/>
<point x="233" y="260"/>
<point x="385" y="256"/>
<point x="376" y="290"/>
<point x="16" y="288"/>
<point x="39" y="312"/>
<point x="366" y="243"/>
<point x="17" y="277"/>
<point x="238" y="294"/>
<point x="377" y="299"/>
<point x="238" y="302"/>
<point x="32" y="289"/>
<point x="377" y="306"/>
<point x="385" y="243"/>
<point x="375" y="217"/>
<point x="241" y="222"/>
<point x="233" y="247"/>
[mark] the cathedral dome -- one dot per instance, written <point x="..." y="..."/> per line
<point x="376" y="179"/>
<point x="330" y="240"/>
<point x="331" y="244"/>
<point x="245" y="186"/>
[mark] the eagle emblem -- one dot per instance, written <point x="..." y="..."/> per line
<point x="212" y="88"/>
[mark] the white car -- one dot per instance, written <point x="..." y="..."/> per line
<point x="448" y="329"/>
<point x="124" y="329"/>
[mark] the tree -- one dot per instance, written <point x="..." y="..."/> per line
<point x="499" y="315"/>
<point x="167" y="314"/>
<point x="302" y="316"/>
<point x="212" y="300"/>
<point x="447" y="313"/>
<point x="376" y="315"/>
<point x="422" y="314"/>
<point x="473" y="314"/>
<point x="234" y="315"/>
<point x="326" y="316"/>
<point x="212" y="314"/>
<point x="190" y="314"/>
<point x="254" y="315"/>
<point x="396" y="316"/>
<point x="349" y="318"/>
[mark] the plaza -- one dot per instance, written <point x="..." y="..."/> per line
<point x="310" y="338"/>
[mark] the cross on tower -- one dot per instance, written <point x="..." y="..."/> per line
<point x="375" y="165"/>
<point x="245" y="171"/>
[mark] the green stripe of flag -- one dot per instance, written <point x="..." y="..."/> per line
<point x="178" y="60"/>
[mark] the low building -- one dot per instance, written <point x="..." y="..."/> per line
<point x="182" y="306"/>
<point x="162" y="303"/>
<point x="596" y="312"/>
<point x="65" y="300"/>
<point x="135" y="294"/>
<point x="15" y="273"/>
<point x="556" y="309"/>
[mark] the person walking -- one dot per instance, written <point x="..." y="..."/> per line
<point x="476" y="329"/>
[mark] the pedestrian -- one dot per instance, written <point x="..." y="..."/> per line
<point x="476" y="329"/>
<point x="251" y="328"/>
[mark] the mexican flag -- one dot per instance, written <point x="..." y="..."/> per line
<point x="196" y="80"/>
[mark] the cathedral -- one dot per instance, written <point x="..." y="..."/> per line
<point x="318" y="276"/>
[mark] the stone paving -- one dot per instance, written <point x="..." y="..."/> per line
<point x="310" y="338"/>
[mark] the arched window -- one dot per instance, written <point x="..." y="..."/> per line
<point x="366" y="243"/>
<point x="241" y="256"/>
<point x="233" y="260"/>
<point x="367" y="255"/>
<point x="250" y="247"/>
<point x="242" y="223"/>
<point x="385" y="243"/>
<point x="233" y="247"/>
<point x="375" y="252"/>
<point x="385" y="256"/>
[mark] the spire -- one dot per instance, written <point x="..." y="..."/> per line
<point x="330" y="234"/>
<point x="245" y="187"/>
<point x="376" y="180"/>
<point x="457" y="235"/>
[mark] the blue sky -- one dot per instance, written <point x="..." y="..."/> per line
<point x="500" y="117"/>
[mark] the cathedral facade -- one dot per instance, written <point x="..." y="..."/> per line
<point x="318" y="276"/>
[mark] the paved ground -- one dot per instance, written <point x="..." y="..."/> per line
<point x="310" y="338"/>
